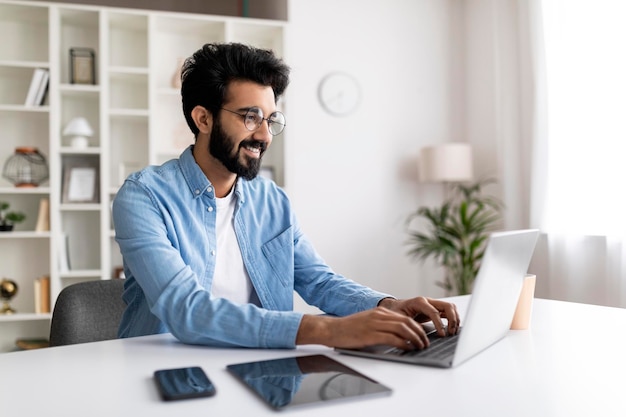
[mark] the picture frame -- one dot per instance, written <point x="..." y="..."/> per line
<point x="81" y="179"/>
<point x="82" y="66"/>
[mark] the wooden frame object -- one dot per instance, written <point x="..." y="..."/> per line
<point x="82" y="66"/>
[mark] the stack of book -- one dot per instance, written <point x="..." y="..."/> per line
<point x="38" y="87"/>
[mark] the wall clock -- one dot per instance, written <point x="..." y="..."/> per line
<point x="339" y="93"/>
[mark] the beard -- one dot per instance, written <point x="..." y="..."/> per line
<point x="222" y="148"/>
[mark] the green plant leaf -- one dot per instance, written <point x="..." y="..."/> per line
<point x="456" y="233"/>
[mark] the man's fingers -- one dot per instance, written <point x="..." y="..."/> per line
<point x="450" y="313"/>
<point x="454" y="321"/>
<point x="433" y="312"/>
<point x="383" y="326"/>
<point x="402" y="331"/>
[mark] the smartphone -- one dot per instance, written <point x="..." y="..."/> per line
<point x="183" y="383"/>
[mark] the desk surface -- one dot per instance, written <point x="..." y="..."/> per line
<point x="553" y="369"/>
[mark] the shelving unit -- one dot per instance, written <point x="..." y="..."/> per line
<point x="133" y="108"/>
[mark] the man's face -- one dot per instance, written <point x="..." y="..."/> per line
<point x="237" y="148"/>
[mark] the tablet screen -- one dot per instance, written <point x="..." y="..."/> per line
<point x="300" y="380"/>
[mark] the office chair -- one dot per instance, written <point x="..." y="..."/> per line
<point x="87" y="312"/>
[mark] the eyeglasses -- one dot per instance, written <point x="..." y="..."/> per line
<point x="253" y="118"/>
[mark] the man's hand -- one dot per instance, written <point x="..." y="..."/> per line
<point x="425" y="309"/>
<point x="392" y="323"/>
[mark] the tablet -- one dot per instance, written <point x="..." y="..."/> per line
<point x="305" y="380"/>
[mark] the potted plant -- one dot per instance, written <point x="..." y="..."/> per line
<point x="9" y="218"/>
<point x="456" y="234"/>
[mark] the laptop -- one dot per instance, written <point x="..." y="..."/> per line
<point x="490" y="310"/>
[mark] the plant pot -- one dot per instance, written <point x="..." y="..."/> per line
<point x="6" y="227"/>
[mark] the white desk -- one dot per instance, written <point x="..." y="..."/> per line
<point x="554" y="369"/>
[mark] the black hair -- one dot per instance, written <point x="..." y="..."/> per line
<point x="206" y="74"/>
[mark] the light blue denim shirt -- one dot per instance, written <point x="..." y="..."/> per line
<point x="164" y="220"/>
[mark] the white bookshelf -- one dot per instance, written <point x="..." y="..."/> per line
<point x="133" y="109"/>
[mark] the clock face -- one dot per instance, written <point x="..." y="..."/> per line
<point x="339" y="93"/>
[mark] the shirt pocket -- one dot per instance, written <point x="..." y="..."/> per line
<point x="280" y="256"/>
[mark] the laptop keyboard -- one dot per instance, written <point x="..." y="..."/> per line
<point x="440" y="347"/>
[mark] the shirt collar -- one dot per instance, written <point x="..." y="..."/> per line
<point x="197" y="181"/>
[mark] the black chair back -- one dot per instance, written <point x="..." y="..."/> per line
<point x="87" y="312"/>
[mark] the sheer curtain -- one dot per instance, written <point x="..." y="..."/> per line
<point x="573" y="79"/>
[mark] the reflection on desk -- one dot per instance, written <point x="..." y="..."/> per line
<point x="295" y="381"/>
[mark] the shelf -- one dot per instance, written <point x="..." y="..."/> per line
<point x="92" y="150"/>
<point x="25" y="190"/>
<point x="79" y="89"/>
<point x="24" y="64"/>
<point x="128" y="71"/>
<point x="129" y="113"/>
<point x="81" y="273"/>
<point x="80" y="207"/>
<point x="23" y="108"/>
<point x="134" y="111"/>
<point x="25" y="317"/>
<point x="24" y="235"/>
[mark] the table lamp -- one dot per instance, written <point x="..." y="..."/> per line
<point x="80" y="131"/>
<point x="450" y="162"/>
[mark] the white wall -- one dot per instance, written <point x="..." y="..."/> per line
<point x="352" y="180"/>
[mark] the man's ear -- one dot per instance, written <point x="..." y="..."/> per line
<point x="202" y="118"/>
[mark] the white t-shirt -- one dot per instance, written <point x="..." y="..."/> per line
<point x="231" y="280"/>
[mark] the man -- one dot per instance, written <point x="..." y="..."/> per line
<point x="212" y="253"/>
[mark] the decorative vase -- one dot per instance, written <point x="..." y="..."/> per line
<point x="6" y="227"/>
<point x="8" y="289"/>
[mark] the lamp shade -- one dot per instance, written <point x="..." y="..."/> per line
<point x="450" y="162"/>
<point x="27" y="167"/>
<point x="79" y="130"/>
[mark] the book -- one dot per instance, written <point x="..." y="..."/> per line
<point x="43" y="219"/>
<point x="35" y="83"/>
<point x="42" y="295"/>
<point x="42" y="90"/>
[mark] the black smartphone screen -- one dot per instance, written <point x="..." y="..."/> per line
<point x="183" y="383"/>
